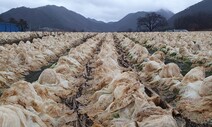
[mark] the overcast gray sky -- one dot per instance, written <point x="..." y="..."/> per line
<point x="104" y="10"/>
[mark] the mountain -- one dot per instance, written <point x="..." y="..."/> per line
<point x="55" y="17"/>
<point x="95" y="21"/>
<point x="129" y="22"/>
<point x="203" y="6"/>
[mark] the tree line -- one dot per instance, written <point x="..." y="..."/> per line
<point x="21" y="23"/>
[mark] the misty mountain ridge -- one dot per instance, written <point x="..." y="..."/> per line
<point x="59" y="17"/>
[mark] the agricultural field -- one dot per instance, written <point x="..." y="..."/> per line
<point x="62" y="79"/>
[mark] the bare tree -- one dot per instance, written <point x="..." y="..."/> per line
<point x="151" y="21"/>
<point x="23" y="24"/>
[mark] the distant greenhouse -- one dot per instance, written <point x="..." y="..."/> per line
<point x="8" y="27"/>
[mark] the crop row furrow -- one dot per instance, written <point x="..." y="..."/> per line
<point x="116" y="97"/>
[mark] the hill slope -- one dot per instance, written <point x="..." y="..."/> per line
<point x="53" y="17"/>
<point x="203" y="6"/>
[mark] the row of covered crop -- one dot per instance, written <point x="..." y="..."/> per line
<point x="182" y="93"/>
<point x="17" y="60"/>
<point x="16" y="37"/>
<point x="192" y="47"/>
<point x="40" y="104"/>
<point x="117" y="98"/>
